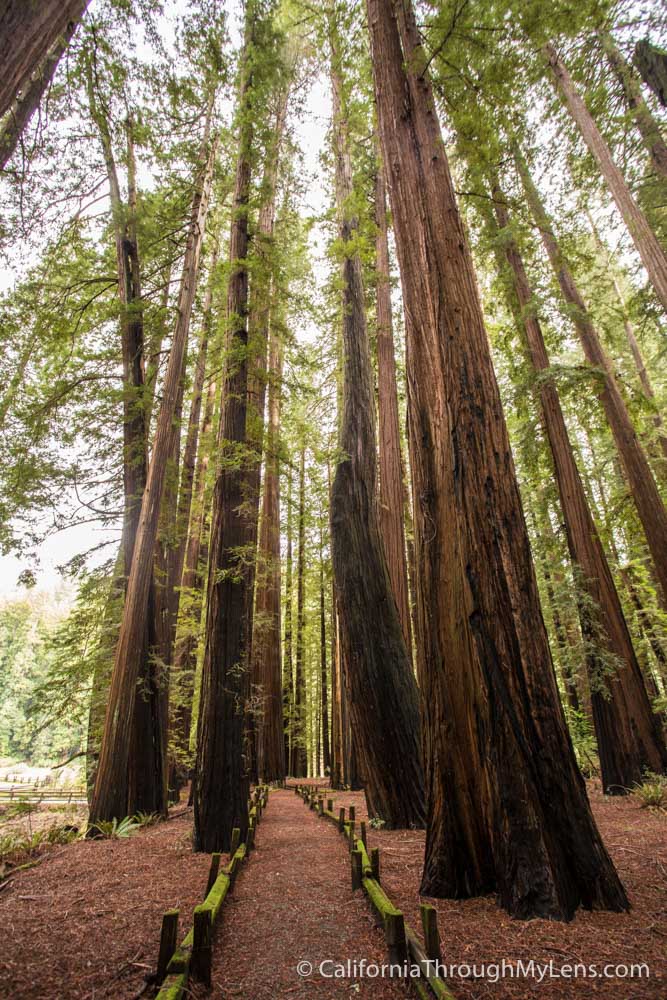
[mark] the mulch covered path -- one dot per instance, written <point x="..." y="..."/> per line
<point x="476" y="930"/>
<point x="85" y="923"/>
<point x="293" y="903"/>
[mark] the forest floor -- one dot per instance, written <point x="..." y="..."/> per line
<point x="476" y="931"/>
<point x="84" y="923"/>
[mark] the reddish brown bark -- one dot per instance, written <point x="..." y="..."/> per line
<point x="288" y="660"/>
<point x="378" y="679"/>
<point x="647" y="499"/>
<point x="27" y="31"/>
<point x="507" y="806"/>
<point x="267" y="669"/>
<point x="324" y="694"/>
<point x="628" y="734"/>
<point x="29" y="98"/>
<point x="645" y="240"/>
<point x="222" y="777"/>
<point x="392" y="487"/>
<point x="299" y="763"/>
<point x="110" y="795"/>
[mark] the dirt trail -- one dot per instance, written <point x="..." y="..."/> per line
<point x="294" y="903"/>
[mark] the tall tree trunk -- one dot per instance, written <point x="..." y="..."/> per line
<point x="628" y="734"/>
<point x="222" y="777"/>
<point x="379" y="682"/>
<point x="648" y="127"/>
<point x="299" y="755"/>
<point x="27" y="32"/>
<point x="635" y="350"/>
<point x="645" y="240"/>
<point x="645" y="494"/>
<point x="145" y="759"/>
<point x="28" y="100"/>
<point x="324" y="693"/>
<point x="507" y="806"/>
<point x="259" y="321"/>
<point x="392" y="488"/>
<point x="646" y="621"/>
<point x="192" y="581"/>
<point x="267" y="667"/>
<point x="147" y="775"/>
<point x="288" y="681"/>
<point x="111" y="786"/>
<point x="652" y="65"/>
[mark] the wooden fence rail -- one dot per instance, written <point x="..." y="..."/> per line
<point x="193" y="957"/>
<point x="402" y="941"/>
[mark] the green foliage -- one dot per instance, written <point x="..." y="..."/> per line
<point x="584" y="742"/>
<point x="116" y="829"/>
<point x="652" y="792"/>
<point x="15" y="848"/>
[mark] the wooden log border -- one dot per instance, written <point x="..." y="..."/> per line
<point x="402" y="940"/>
<point x="194" y="954"/>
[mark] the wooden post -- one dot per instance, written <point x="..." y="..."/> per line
<point x="200" y="964"/>
<point x="355" y="857"/>
<point x="250" y="840"/>
<point x="394" y="932"/>
<point x="363" y="833"/>
<point x="320" y="805"/>
<point x="353" y="812"/>
<point x="330" y="805"/>
<point x="374" y="858"/>
<point x="431" y="936"/>
<point x="352" y="834"/>
<point x="168" y="941"/>
<point x="236" y="840"/>
<point x="232" y="870"/>
<point x="212" y="873"/>
<point x="341" y="819"/>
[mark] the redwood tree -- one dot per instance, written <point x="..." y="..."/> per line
<point x="652" y="254"/>
<point x="650" y="508"/>
<point x="380" y="684"/>
<point x="28" y="30"/>
<point x="222" y="776"/>
<point x="629" y="735"/>
<point x="392" y="488"/>
<point x="110" y="796"/>
<point x="507" y="806"/>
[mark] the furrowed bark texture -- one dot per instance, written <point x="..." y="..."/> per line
<point x="221" y="780"/>
<point x="380" y="684"/>
<point x="30" y="96"/>
<point x="507" y="806"/>
<point x="266" y="643"/>
<point x="299" y="758"/>
<point x="628" y="733"/>
<point x="28" y="29"/>
<point x="647" y="499"/>
<point x="111" y="785"/>
<point x="392" y="489"/>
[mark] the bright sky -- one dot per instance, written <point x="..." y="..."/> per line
<point x="311" y="131"/>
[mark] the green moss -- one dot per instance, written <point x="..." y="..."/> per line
<point x="173" y="987"/>
<point x="216" y="896"/>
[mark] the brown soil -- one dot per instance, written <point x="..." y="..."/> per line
<point x="294" y="903"/>
<point x="476" y="931"/>
<point x="85" y="923"/>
